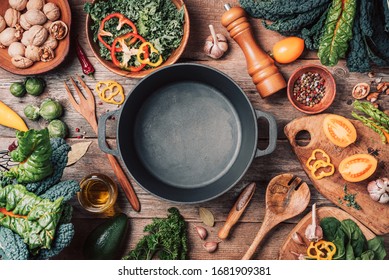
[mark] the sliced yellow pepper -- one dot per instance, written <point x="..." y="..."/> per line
<point x="322" y="164"/>
<point x="321" y="250"/>
<point x="151" y="51"/>
<point x="109" y="90"/>
<point x="314" y="158"/>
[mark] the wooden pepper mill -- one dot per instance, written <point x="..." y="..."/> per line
<point x="260" y="66"/>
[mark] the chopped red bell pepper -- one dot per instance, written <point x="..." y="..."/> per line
<point x="127" y="52"/>
<point x="123" y="20"/>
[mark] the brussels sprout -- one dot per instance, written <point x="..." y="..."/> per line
<point x="31" y="112"/>
<point x="50" y="109"/>
<point x="17" y="89"/>
<point x="57" y="129"/>
<point x="35" y="86"/>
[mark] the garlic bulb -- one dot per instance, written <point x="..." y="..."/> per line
<point x="314" y="232"/>
<point x="379" y="190"/>
<point x="216" y="44"/>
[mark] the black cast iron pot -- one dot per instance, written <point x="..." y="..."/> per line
<point x="187" y="133"/>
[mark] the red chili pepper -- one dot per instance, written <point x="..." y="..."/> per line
<point x="122" y="21"/>
<point x="87" y="67"/>
<point x="127" y="52"/>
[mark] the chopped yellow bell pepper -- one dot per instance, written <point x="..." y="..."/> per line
<point x="109" y="90"/>
<point x="151" y="51"/>
<point x="322" y="164"/>
<point x="321" y="250"/>
<point x="314" y="158"/>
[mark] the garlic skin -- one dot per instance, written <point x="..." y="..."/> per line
<point x="314" y="232"/>
<point x="215" y="45"/>
<point x="379" y="190"/>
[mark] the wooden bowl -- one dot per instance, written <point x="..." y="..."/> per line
<point x="172" y="59"/>
<point x="330" y="89"/>
<point x="60" y="52"/>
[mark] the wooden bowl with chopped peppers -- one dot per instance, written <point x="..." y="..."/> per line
<point x="311" y="89"/>
<point x="134" y="41"/>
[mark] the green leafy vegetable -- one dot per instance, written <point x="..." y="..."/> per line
<point x="350" y="242"/>
<point x="167" y="239"/>
<point x="33" y="218"/>
<point x="34" y="153"/>
<point x="12" y="246"/>
<point x="338" y="32"/>
<point x="158" y="21"/>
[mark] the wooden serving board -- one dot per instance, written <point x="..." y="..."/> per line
<point x="290" y="246"/>
<point x="374" y="215"/>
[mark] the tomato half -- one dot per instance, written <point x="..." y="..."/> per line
<point x="288" y="50"/>
<point x="358" y="167"/>
<point x="339" y="130"/>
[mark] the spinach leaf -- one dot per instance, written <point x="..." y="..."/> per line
<point x="330" y="226"/>
<point x="356" y="239"/>
<point x="377" y="246"/>
<point x="367" y="255"/>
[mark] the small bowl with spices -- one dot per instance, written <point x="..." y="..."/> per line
<point x="311" y="89"/>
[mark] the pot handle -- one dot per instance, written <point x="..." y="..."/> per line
<point x="102" y="133"/>
<point x="272" y="133"/>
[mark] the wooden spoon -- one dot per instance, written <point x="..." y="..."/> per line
<point x="286" y="197"/>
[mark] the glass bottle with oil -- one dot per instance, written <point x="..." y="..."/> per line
<point x="98" y="193"/>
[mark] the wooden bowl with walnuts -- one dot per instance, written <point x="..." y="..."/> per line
<point x="34" y="35"/>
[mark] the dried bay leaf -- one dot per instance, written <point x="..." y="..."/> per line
<point x="77" y="151"/>
<point x="206" y="216"/>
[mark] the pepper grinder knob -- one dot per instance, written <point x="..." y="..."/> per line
<point x="260" y="66"/>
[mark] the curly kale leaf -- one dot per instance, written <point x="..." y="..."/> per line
<point x="280" y="9"/>
<point x="59" y="159"/>
<point x="12" y="246"/>
<point x="64" y="189"/>
<point x="386" y="14"/>
<point x="338" y="32"/>
<point x="167" y="239"/>
<point x="365" y="20"/>
<point x="63" y="238"/>
<point x="34" y="153"/>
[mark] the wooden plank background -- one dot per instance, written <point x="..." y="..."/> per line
<point x="262" y="170"/>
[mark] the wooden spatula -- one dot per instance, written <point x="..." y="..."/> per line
<point x="286" y="197"/>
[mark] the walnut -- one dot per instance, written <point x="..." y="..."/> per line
<point x="35" y="17"/>
<point x="35" y="4"/>
<point x="18" y="5"/>
<point x="8" y="36"/>
<point x="51" y="42"/>
<point x="36" y="36"/>
<point x="3" y="24"/>
<point x="21" y="62"/>
<point x="52" y="11"/>
<point x="32" y="52"/>
<point x="23" y="22"/>
<point x="381" y="87"/>
<point x="46" y="54"/>
<point x="47" y="25"/>
<point x="372" y="97"/>
<point x="16" y="48"/>
<point x="58" y="30"/>
<point x="11" y="17"/>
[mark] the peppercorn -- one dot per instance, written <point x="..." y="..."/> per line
<point x="309" y="89"/>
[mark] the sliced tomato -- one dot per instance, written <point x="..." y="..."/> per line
<point x="358" y="167"/>
<point x="339" y="130"/>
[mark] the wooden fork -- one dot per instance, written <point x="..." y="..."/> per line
<point x="87" y="108"/>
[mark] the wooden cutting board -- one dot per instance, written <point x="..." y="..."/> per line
<point x="374" y="215"/>
<point x="290" y="246"/>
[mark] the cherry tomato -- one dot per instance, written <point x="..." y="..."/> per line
<point x="288" y="50"/>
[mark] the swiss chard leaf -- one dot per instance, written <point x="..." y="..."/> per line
<point x="338" y="32"/>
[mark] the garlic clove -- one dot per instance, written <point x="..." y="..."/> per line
<point x="211" y="246"/>
<point x="202" y="232"/>
<point x="296" y="237"/>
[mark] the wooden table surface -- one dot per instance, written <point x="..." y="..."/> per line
<point x="262" y="170"/>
